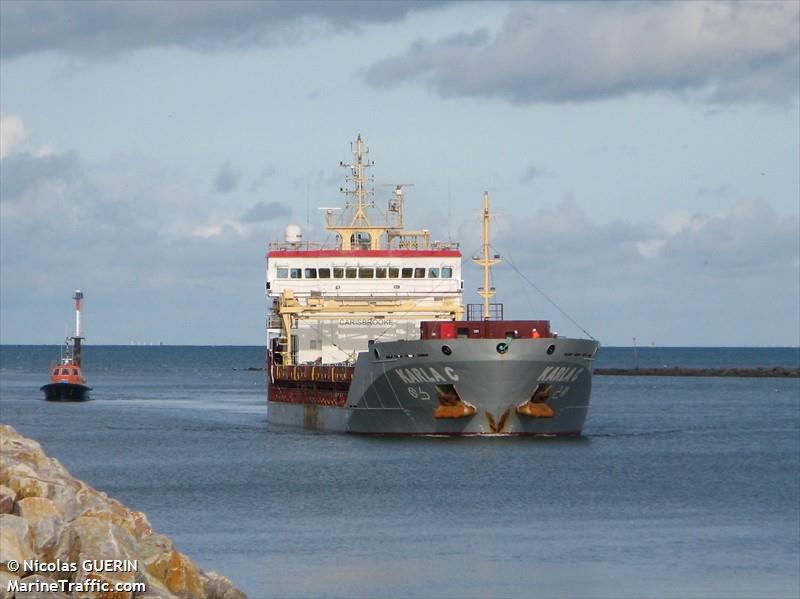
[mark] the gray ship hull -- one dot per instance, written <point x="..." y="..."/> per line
<point x="459" y="387"/>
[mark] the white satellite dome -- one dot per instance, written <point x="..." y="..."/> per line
<point x="293" y="234"/>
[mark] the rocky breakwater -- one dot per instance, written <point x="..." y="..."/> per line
<point x="756" y="372"/>
<point x="61" y="538"/>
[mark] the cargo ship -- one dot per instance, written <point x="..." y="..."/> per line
<point x="370" y="334"/>
<point x="67" y="382"/>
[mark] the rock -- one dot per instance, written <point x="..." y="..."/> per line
<point x="7" y="499"/>
<point x="136" y="523"/>
<point x="40" y="587"/>
<point x="219" y="587"/>
<point x="15" y="542"/>
<point x="5" y="581"/>
<point x="45" y="520"/>
<point x="164" y="563"/>
<point x="26" y="482"/>
<point x="140" y="525"/>
<point x="14" y="445"/>
<point x="88" y="540"/>
<point x="154" y="589"/>
<point x="59" y="519"/>
<point x="182" y="576"/>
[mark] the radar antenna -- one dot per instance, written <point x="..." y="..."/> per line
<point x="394" y="214"/>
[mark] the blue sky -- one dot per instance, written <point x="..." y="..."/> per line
<point x="642" y="158"/>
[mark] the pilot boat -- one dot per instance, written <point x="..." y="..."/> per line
<point x="67" y="382"/>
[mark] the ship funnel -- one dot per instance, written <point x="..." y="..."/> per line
<point x="293" y="234"/>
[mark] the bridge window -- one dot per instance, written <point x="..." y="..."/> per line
<point x="408" y="273"/>
<point x="310" y="273"/>
<point x="447" y="272"/>
<point x="338" y="273"/>
<point x="380" y="273"/>
<point x="350" y="272"/>
<point x="324" y="273"/>
<point x="419" y="273"/>
<point x="296" y="273"/>
<point x="65" y="371"/>
<point x="283" y="273"/>
<point x="394" y="273"/>
<point x="366" y="273"/>
<point x="433" y="273"/>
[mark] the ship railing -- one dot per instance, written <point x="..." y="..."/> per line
<point x="312" y="373"/>
<point x="444" y="245"/>
<point x="316" y="245"/>
<point x="329" y="397"/>
<point x="295" y="246"/>
<point x="475" y="312"/>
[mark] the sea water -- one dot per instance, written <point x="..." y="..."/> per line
<point x="679" y="487"/>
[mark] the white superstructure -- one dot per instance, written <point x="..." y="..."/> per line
<point x="377" y="284"/>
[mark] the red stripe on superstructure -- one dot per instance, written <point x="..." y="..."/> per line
<point x="363" y="254"/>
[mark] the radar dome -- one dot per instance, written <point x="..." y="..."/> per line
<point x="293" y="234"/>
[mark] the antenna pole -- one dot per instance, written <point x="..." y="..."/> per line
<point x="486" y="292"/>
<point x="76" y="339"/>
<point x="449" y="209"/>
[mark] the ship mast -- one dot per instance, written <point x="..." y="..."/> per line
<point x="356" y="232"/>
<point x="486" y="292"/>
<point x="361" y="191"/>
<point x="76" y="339"/>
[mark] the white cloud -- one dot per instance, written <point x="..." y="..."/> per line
<point x="677" y="222"/>
<point x="129" y="228"/>
<point x="694" y="281"/>
<point x="46" y="151"/>
<point x="650" y="248"/>
<point x="749" y="237"/>
<point x="122" y="230"/>
<point x="209" y="231"/>
<point x="717" y="51"/>
<point x="12" y="133"/>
